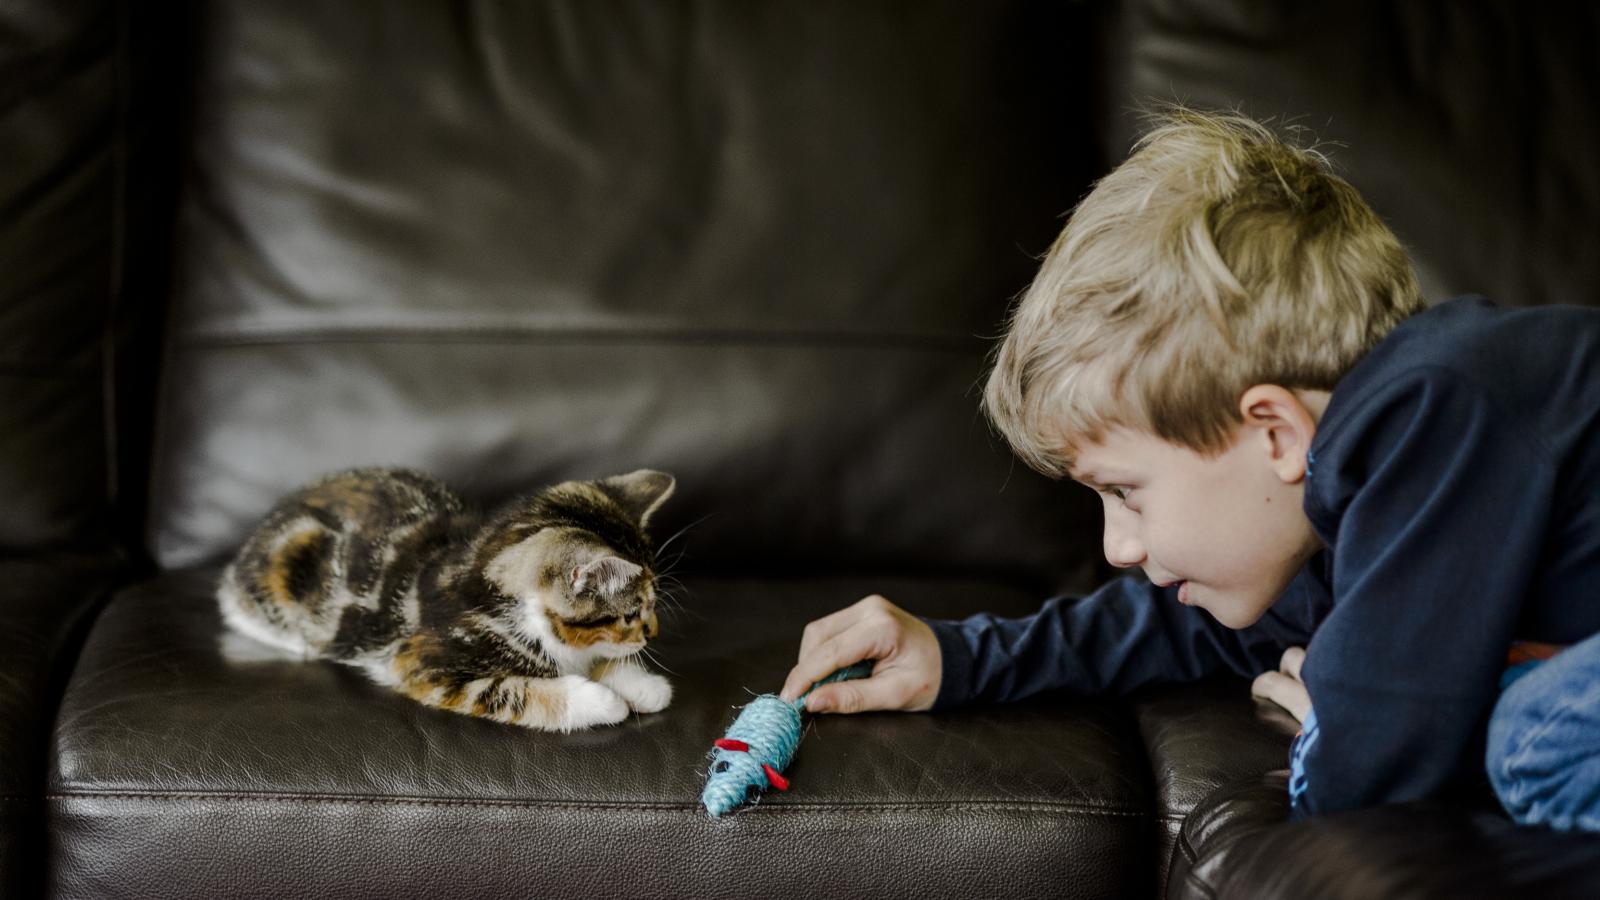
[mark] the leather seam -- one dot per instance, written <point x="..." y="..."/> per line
<point x="219" y="338"/>
<point x="1187" y="849"/>
<point x="336" y="799"/>
<point x="116" y="281"/>
<point x="1200" y="887"/>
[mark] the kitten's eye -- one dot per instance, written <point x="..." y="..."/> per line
<point x="595" y="621"/>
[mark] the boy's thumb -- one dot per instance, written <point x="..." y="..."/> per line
<point x="847" y="697"/>
<point x="834" y="698"/>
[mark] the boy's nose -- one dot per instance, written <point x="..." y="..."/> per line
<point x="1123" y="550"/>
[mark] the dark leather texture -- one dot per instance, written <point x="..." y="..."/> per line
<point x="45" y="605"/>
<point x="762" y="245"/>
<point x="56" y="231"/>
<point x="171" y="747"/>
<point x="759" y="246"/>
<point x="1470" y="127"/>
<point x="1240" y="848"/>
<point x="88" y="138"/>
<point x="1199" y="738"/>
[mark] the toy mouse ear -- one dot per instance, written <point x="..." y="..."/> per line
<point x="639" y="493"/>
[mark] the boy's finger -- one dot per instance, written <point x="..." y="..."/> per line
<point x="831" y="626"/>
<point x="1284" y="691"/>
<point x="859" y="631"/>
<point x="1293" y="658"/>
<point x="826" y="628"/>
<point x="821" y="661"/>
<point x="862" y="695"/>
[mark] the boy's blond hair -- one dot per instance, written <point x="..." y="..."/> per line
<point x="1217" y="257"/>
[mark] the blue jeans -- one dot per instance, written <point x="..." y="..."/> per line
<point x="1544" y="742"/>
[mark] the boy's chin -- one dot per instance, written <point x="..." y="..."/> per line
<point x="1236" y="615"/>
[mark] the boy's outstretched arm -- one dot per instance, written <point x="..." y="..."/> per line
<point x="1127" y="634"/>
<point x="906" y="676"/>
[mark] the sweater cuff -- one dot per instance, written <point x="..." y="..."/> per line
<point x="955" y="665"/>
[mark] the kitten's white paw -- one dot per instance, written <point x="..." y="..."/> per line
<point x="590" y="703"/>
<point x="645" y="691"/>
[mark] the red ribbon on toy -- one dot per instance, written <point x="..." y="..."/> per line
<point x="773" y="775"/>
<point x="778" y="781"/>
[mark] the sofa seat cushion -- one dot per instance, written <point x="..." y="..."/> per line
<point x="181" y="766"/>
<point x="1236" y="843"/>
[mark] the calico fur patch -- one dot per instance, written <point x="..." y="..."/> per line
<point x="531" y="616"/>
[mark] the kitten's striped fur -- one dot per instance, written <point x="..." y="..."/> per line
<point x="531" y="617"/>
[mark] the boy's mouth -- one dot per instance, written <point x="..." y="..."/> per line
<point x="1183" y="590"/>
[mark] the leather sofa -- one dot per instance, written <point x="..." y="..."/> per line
<point x="762" y="246"/>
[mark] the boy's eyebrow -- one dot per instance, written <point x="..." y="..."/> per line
<point x="1095" y="479"/>
<point x="1086" y="477"/>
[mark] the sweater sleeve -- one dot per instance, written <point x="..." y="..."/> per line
<point x="1127" y="634"/>
<point x="1435" y="501"/>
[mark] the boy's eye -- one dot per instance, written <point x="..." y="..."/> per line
<point x="1119" y="492"/>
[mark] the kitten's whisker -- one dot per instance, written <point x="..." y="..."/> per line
<point x="682" y="531"/>
<point x="657" y="662"/>
<point x="671" y="565"/>
<point x="670" y="602"/>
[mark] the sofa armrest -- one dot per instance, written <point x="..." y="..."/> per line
<point x="1238" y="843"/>
<point x="1200" y="737"/>
<point x="46" y="603"/>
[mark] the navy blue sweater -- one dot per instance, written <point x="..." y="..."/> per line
<point x="1455" y="485"/>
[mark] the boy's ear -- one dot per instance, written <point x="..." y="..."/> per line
<point x="1283" y="425"/>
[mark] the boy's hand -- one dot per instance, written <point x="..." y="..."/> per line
<point x="1284" y="687"/>
<point x="908" y="665"/>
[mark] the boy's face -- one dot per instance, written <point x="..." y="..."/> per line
<point x="1230" y="529"/>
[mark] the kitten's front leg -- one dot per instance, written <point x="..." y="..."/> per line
<point x="646" y="692"/>
<point x="566" y="703"/>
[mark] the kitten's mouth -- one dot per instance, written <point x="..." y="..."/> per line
<point x="617" y="651"/>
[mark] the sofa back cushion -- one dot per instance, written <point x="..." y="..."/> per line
<point x="57" y="188"/>
<point x="1469" y="127"/>
<point x="760" y="246"/>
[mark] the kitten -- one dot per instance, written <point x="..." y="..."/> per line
<point x="531" y="617"/>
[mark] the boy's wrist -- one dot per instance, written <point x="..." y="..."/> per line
<point x="955" y="665"/>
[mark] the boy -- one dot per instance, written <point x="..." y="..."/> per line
<point x="1229" y="345"/>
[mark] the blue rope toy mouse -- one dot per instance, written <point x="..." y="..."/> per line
<point x="759" y="744"/>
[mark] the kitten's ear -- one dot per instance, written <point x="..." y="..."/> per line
<point x="605" y="576"/>
<point x="639" y="493"/>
